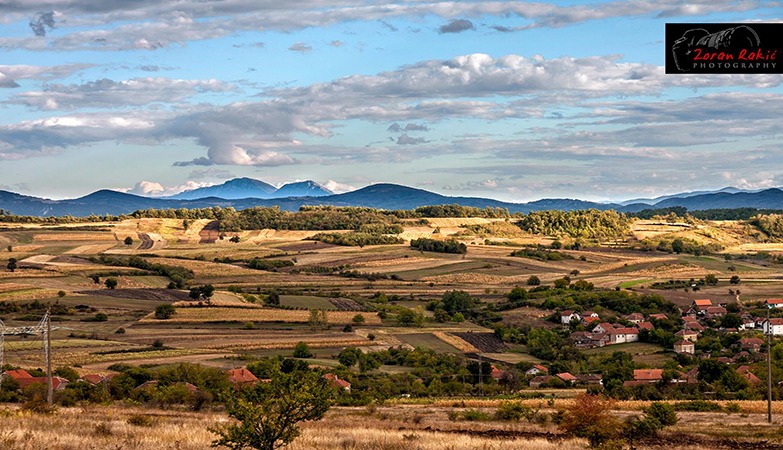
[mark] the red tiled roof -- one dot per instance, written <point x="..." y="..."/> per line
<point x="774" y="301"/>
<point x="56" y="382"/>
<point x="647" y="374"/>
<point x="645" y="326"/>
<point x="565" y="376"/>
<point x="241" y="376"/>
<point x="703" y="302"/>
<point x="337" y="381"/>
<point x="18" y="374"/>
<point x="93" y="378"/>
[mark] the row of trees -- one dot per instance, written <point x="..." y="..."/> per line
<point x="434" y="245"/>
<point x="589" y="224"/>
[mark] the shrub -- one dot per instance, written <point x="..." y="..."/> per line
<point x="164" y="311"/>
<point x="302" y="350"/>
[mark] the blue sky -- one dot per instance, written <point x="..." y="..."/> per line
<point x="511" y="100"/>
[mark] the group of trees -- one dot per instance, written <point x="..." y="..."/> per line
<point x="177" y="274"/>
<point x="356" y="239"/>
<point x="588" y="224"/>
<point x="434" y="245"/>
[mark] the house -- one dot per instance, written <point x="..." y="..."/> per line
<point x="687" y="335"/>
<point x="690" y="377"/>
<point x="686" y="347"/>
<point x="751" y="344"/>
<point x="566" y="377"/>
<point x="536" y="369"/>
<point x="496" y="374"/>
<point x="589" y="320"/>
<point x="93" y="378"/>
<point x="536" y="382"/>
<point x="581" y="339"/>
<point x="694" y="325"/>
<point x="658" y="316"/>
<point x="600" y="340"/>
<point x="592" y="314"/>
<point x="623" y="335"/>
<point x="18" y="374"/>
<point x="635" y="317"/>
<point x="58" y="383"/>
<point x="241" y="377"/>
<point x="603" y="327"/>
<point x="568" y="315"/>
<point x="713" y="312"/>
<point x="648" y="375"/>
<point x="698" y="307"/>
<point x="775" y="325"/>
<point x="745" y="372"/>
<point x="644" y="326"/>
<point x="590" y="379"/>
<point x="775" y="303"/>
<point x="748" y="323"/>
<point x="337" y="382"/>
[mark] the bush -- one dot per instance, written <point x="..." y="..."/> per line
<point x="302" y="350"/>
<point x="698" y="406"/>
<point x="164" y="311"/>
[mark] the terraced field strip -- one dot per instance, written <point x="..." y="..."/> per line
<point x="454" y="341"/>
<point x="60" y="343"/>
<point x="218" y="314"/>
<point x="291" y="343"/>
<point x="307" y="302"/>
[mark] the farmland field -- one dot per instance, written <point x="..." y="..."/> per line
<point x="359" y="295"/>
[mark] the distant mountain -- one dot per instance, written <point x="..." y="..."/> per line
<point x="230" y="190"/>
<point x="766" y="199"/>
<point x="653" y="201"/>
<point x="382" y="196"/>
<point x="302" y="189"/>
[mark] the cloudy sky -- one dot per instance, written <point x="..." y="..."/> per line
<point x="510" y="100"/>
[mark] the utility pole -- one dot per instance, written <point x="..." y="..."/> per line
<point x="48" y="353"/>
<point x="2" y="356"/>
<point x="769" y="366"/>
<point x="481" y="378"/>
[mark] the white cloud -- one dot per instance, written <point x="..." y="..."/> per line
<point x="338" y="188"/>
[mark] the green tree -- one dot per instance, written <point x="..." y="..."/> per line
<point x="358" y="319"/>
<point x="164" y="311"/>
<point x="111" y="282"/>
<point x="678" y="246"/>
<point x="302" y="350"/>
<point x="11" y="264"/>
<point x="269" y="413"/>
<point x="711" y="279"/>
<point x="734" y="279"/>
<point x="533" y="280"/>
<point x="128" y="240"/>
<point x="273" y="298"/>
<point x="410" y="317"/>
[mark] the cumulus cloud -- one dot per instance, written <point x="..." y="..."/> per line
<point x="300" y="47"/>
<point x="337" y="43"/>
<point x="155" y="189"/>
<point x="338" y="188"/>
<point x="456" y="26"/>
<point x="404" y="139"/>
<point x="161" y="24"/>
<point x="105" y="93"/>
<point x="396" y="127"/>
<point x="7" y="82"/>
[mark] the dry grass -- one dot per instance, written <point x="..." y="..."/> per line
<point x="459" y="343"/>
<point x="218" y="314"/>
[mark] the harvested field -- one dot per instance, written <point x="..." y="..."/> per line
<point x="158" y="295"/>
<point x="484" y="342"/>
<point x="216" y="314"/>
<point x="345" y="304"/>
<point x="457" y="342"/>
<point x="70" y="237"/>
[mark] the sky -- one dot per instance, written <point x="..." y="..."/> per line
<point x="515" y="101"/>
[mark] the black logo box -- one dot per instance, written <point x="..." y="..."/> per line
<point x="733" y="48"/>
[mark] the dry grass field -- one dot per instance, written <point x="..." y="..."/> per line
<point x="51" y="261"/>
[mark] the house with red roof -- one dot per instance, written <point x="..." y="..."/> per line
<point x="775" y="302"/>
<point x="242" y="377"/>
<point x="568" y="315"/>
<point x="648" y="375"/>
<point x="567" y="377"/>
<point x="623" y="335"/>
<point x="337" y="382"/>
<point x="775" y="325"/>
<point x="751" y="344"/>
<point x="536" y="369"/>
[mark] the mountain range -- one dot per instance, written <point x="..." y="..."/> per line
<point x="244" y="193"/>
<point x="249" y="188"/>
